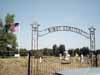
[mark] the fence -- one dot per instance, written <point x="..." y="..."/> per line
<point x="46" y="65"/>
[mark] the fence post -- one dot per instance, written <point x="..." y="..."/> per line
<point x="29" y="70"/>
<point x="96" y="59"/>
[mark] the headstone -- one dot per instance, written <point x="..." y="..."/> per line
<point x="82" y="58"/>
<point x="17" y="55"/>
<point x="60" y="55"/>
<point x="76" y="55"/>
<point x="67" y="56"/>
<point x="40" y="60"/>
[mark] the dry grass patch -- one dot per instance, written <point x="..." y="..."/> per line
<point x="49" y="65"/>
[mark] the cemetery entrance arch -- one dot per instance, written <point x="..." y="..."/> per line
<point x="89" y="35"/>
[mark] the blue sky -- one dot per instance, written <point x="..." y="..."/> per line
<point x="76" y="13"/>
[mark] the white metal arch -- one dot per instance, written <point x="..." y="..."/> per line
<point x="64" y="28"/>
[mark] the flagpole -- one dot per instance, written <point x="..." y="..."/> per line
<point x="19" y="41"/>
<point x="18" y="38"/>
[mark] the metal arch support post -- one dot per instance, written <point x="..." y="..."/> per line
<point x="92" y="47"/>
<point x="92" y="38"/>
<point x="35" y="29"/>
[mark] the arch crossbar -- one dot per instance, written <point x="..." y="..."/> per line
<point x="64" y="28"/>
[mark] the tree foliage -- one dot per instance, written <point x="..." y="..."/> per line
<point x="9" y="19"/>
<point x="62" y="49"/>
<point x="7" y="39"/>
<point x="71" y="52"/>
<point x="55" y="50"/>
<point x="45" y="51"/>
<point x="23" y="52"/>
<point x="77" y="51"/>
<point x="98" y="51"/>
<point x="85" y="51"/>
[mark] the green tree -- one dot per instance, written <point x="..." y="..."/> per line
<point x="23" y="52"/>
<point x="9" y="18"/>
<point x="55" y="50"/>
<point x="10" y="37"/>
<point x="7" y="39"/>
<point x="62" y="49"/>
<point x="45" y="51"/>
<point x="98" y="51"/>
<point x="85" y="51"/>
<point x="71" y="52"/>
<point x="77" y="51"/>
<point x="1" y="24"/>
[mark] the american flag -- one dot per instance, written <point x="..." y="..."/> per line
<point x="14" y="27"/>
